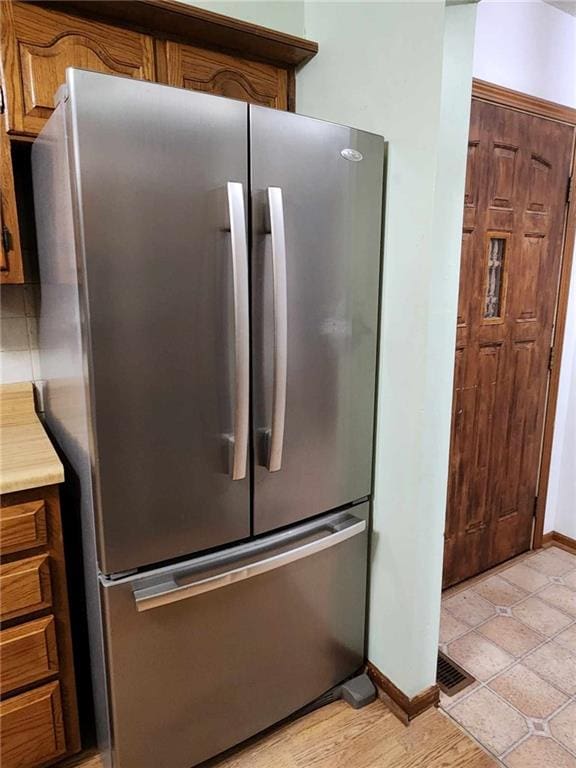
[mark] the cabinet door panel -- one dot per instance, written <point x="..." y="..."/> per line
<point x="32" y="730"/>
<point x="11" y="268"/>
<point x="40" y="44"/>
<point x="223" y="75"/>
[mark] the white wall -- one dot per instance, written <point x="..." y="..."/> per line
<point x="528" y="46"/>
<point x="381" y="68"/>
<point x="531" y="47"/>
<point x="561" y="500"/>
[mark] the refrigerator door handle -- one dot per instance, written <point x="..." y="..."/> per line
<point x="172" y="589"/>
<point x="280" y="300"/>
<point x="237" y="218"/>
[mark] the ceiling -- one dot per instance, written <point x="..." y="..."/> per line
<point x="568" y="6"/>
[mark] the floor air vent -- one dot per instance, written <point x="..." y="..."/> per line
<point x="450" y="677"/>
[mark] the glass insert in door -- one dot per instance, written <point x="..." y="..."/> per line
<point x="495" y="278"/>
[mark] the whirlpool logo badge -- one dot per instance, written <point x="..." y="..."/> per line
<point x="352" y="154"/>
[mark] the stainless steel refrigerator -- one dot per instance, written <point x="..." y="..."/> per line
<point x="210" y="290"/>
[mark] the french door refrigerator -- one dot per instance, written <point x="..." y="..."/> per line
<point x="210" y="285"/>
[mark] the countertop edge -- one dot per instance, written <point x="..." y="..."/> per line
<point x="28" y="458"/>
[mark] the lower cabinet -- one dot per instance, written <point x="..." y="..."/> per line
<point x="38" y="712"/>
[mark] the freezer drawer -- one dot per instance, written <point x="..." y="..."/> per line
<point x="204" y="654"/>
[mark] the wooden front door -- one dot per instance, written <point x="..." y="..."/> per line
<point x="514" y="215"/>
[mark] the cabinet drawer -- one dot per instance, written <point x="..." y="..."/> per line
<point x="38" y="46"/>
<point x="28" y="653"/>
<point x="25" y="586"/>
<point x="31" y="728"/>
<point x="22" y="527"/>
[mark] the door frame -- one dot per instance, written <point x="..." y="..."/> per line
<point x="532" y="105"/>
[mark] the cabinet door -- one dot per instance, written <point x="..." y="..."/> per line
<point x="39" y="44"/>
<point x="223" y="75"/>
<point x="11" y="270"/>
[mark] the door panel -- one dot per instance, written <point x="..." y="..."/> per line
<point x="220" y="73"/>
<point x="218" y="666"/>
<point x="41" y="43"/>
<point x="153" y="164"/>
<point x="518" y="168"/>
<point x="332" y="210"/>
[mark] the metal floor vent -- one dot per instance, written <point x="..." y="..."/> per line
<point x="450" y="677"/>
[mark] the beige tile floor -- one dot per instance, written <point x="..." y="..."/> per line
<point x="515" y="631"/>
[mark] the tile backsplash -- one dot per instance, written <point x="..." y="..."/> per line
<point x="19" y="358"/>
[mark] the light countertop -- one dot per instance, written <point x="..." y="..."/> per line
<point x="27" y="457"/>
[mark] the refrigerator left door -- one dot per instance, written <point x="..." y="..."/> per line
<point x="160" y="178"/>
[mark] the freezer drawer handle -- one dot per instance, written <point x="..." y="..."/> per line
<point x="276" y="440"/>
<point x="170" y="590"/>
<point x="238" y="240"/>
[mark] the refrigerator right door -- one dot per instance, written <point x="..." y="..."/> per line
<point x="317" y="215"/>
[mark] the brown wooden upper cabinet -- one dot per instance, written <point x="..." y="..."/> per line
<point x="38" y="46"/>
<point x="200" y="69"/>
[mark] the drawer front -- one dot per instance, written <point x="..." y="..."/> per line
<point x="286" y="636"/>
<point x="41" y="43"/>
<point x="28" y="653"/>
<point x="22" y="527"/>
<point x="31" y="728"/>
<point x="25" y="586"/>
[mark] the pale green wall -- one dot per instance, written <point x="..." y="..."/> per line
<point x="443" y="303"/>
<point x="285" y="15"/>
<point x="403" y="69"/>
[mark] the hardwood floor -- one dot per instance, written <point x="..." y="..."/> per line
<point x="338" y="736"/>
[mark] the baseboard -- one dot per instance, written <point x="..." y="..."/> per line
<point x="559" y="540"/>
<point x="405" y="708"/>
